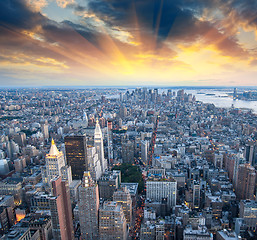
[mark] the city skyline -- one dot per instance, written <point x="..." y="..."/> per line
<point x="128" y="43"/>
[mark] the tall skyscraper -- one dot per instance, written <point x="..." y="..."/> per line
<point x="123" y="197"/>
<point x="76" y="155"/>
<point x="88" y="207"/>
<point x="61" y="213"/>
<point x="128" y="151"/>
<point x="108" y="183"/>
<point x="196" y="195"/>
<point x="44" y="129"/>
<point x="112" y="222"/>
<point x="144" y="150"/>
<point x="94" y="165"/>
<point x="249" y="153"/>
<point x="85" y="119"/>
<point x="98" y="143"/>
<point x="55" y="166"/>
<point x="245" y="182"/>
<point x="109" y="140"/>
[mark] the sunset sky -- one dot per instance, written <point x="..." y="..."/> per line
<point x="128" y="42"/>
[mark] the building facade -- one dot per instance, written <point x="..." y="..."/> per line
<point x="61" y="212"/>
<point x="88" y="207"/>
<point x="76" y="155"/>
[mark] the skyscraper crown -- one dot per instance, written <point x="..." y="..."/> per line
<point x="53" y="150"/>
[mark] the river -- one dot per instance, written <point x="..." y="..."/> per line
<point x="222" y="99"/>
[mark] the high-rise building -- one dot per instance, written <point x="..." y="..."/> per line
<point x="76" y="155"/>
<point x="156" y="190"/>
<point x="108" y="183"/>
<point x="245" y="182"/>
<point x="94" y="165"/>
<point x="20" y="138"/>
<point x="249" y="153"/>
<point x="98" y="143"/>
<point x="88" y="208"/>
<point x="128" y="152"/>
<point x="54" y="162"/>
<point x="123" y="197"/>
<point x="144" y="150"/>
<point x="112" y="222"/>
<point x="248" y="212"/>
<point x="235" y="96"/>
<point x="196" y="195"/>
<point x="85" y="119"/>
<point x="61" y="213"/>
<point x="55" y="166"/>
<point x="109" y="141"/>
<point x="44" y="129"/>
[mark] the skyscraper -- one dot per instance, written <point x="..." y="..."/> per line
<point x="112" y="222"/>
<point x="76" y="155"/>
<point x="245" y="182"/>
<point x="249" y="153"/>
<point x="98" y="143"/>
<point x="55" y="166"/>
<point x="196" y="195"/>
<point x="88" y="207"/>
<point x="85" y="119"/>
<point x="144" y="150"/>
<point x="44" y="129"/>
<point x="123" y="197"/>
<point x="61" y="213"/>
<point x="108" y="183"/>
<point x="94" y="165"/>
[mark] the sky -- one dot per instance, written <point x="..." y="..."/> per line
<point x="128" y="42"/>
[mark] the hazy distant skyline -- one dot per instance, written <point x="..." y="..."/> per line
<point x="128" y="42"/>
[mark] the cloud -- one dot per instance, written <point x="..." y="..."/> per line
<point x="64" y="3"/>
<point x="16" y="14"/>
<point x="142" y="39"/>
<point x="37" y="5"/>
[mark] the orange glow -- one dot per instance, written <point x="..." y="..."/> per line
<point x="93" y="50"/>
<point x="20" y="216"/>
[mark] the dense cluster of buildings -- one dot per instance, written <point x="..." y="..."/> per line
<point x="60" y="150"/>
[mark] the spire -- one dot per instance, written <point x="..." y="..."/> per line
<point x="53" y="150"/>
<point x="98" y="131"/>
<point x="85" y="116"/>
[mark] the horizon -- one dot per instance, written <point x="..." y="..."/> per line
<point x="129" y="87"/>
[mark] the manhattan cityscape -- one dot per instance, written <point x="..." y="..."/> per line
<point x="137" y="163"/>
<point x="128" y="120"/>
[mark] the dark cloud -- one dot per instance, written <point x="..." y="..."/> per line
<point x="17" y="14"/>
<point x="169" y="21"/>
<point x="177" y="20"/>
<point x="16" y="17"/>
<point x="160" y="17"/>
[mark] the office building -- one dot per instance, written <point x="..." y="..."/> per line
<point x="144" y="150"/>
<point x="88" y="207"/>
<point x="98" y="143"/>
<point x="156" y="190"/>
<point x="94" y="164"/>
<point x="112" y="222"/>
<point x="245" y="182"/>
<point x="108" y="183"/>
<point x="55" y="166"/>
<point x="196" y="195"/>
<point x="76" y="155"/>
<point x="248" y="212"/>
<point x="123" y="197"/>
<point x="61" y="212"/>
